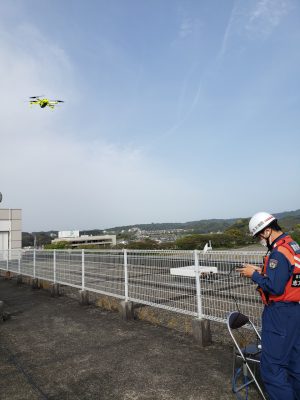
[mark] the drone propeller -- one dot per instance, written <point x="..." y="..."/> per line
<point x="55" y="101"/>
<point x="35" y="97"/>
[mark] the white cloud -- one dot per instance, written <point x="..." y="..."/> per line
<point x="189" y="25"/>
<point x="254" y="20"/>
<point x="63" y="184"/>
<point x="266" y="16"/>
<point x="186" y="28"/>
<point x="228" y="31"/>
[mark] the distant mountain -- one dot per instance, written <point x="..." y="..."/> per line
<point x="287" y="214"/>
<point x="202" y="226"/>
<point x="287" y="220"/>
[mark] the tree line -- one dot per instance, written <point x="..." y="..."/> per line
<point x="234" y="236"/>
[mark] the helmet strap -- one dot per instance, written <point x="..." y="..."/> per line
<point x="269" y="241"/>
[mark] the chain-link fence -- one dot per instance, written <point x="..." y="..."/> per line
<point x="198" y="283"/>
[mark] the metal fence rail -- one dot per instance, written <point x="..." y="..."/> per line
<point x="174" y="280"/>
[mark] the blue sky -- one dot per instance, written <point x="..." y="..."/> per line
<point x="174" y="110"/>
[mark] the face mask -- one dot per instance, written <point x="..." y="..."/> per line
<point x="263" y="242"/>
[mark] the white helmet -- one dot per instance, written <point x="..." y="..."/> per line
<point x="259" y="221"/>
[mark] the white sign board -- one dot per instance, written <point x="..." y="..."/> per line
<point x="68" y="234"/>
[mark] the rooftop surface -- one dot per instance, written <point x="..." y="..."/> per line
<point x="54" y="348"/>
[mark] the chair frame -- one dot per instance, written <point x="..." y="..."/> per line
<point x="245" y="356"/>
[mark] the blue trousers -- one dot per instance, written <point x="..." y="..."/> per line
<point x="280" y="358"/>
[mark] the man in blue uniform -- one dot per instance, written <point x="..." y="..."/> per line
<point x="279" y="285"/>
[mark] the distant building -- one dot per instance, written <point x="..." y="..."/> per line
<point x="75" y="240"/>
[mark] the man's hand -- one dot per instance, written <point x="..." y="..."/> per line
<point x="248" y="269"/>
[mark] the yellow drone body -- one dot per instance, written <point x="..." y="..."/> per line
<point x="43" y="102"/>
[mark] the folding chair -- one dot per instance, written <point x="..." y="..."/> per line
<point x="249" y="354"/>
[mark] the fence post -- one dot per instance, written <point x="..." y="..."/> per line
<point x="198" y="287"/>
<point x="200" y="327"/>
<point x="55" y="287"/>
<point x="19" y="264"/>
<point x="126" y="274"/>
<point x="34" y="260"/>
<point x="82" y="270"/>
<point x="19" y="276"/>
<point x="127" y="310"/>
<point x="84" y="295"/>
<point x="7" y="260"/>
<point x="54" y="266"/>
<point x="35" y="283"/>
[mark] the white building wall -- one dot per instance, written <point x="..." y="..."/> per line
<point x="103" y="240"/>
<point x="10" y="229"/>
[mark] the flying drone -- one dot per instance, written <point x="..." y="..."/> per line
<point x="43" y="102"/>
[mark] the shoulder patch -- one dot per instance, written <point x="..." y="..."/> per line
<point x="295" y="246"/>
<point x="273" y="263"/>
<point x="296" y="280"/>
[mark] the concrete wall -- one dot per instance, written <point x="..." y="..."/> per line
<point x="10" y="229"/>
